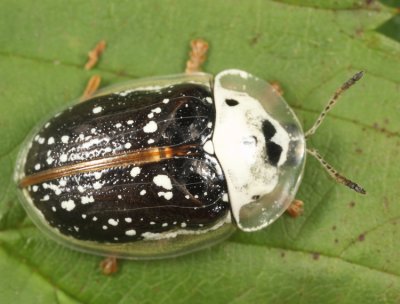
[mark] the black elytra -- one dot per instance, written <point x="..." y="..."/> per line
<point x="122" y="203"/>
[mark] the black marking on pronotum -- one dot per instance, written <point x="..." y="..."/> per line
<point x="231" y="102"/>
<point x="268" y="130"/>
<point x="274" y="152"/>
<point x="273" y="149"/>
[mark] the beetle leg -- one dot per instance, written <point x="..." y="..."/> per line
<point x="197" y="55"/>
<point x="94" y="55"/>
<point x="109" y="265"/>
<point x="277" y="88"/>
<point x="296" y="208"/>
<point x="94" y="81"/>
<point x="91" y="87"/>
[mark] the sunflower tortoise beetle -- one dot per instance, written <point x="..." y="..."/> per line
<point x="160" y="167"/>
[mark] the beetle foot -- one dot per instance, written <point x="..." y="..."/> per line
<point x="94" y="55"/>
<point x="91" y="87"/>
<point x="197" y="55"/>
<point x="109" y="265"/>
<point x="296" y="208"/>
<point x="277" y="88"/>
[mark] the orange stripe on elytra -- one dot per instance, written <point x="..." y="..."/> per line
<point x="150" y="155"/>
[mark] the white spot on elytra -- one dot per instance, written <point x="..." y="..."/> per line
<point x="65" y="139"/>
<point x="97" y="175"/>
<point x="49" y="160"/>
<point x="68" y="205"/>
<point x="130" y="232"/>
<point x="41" y="140"/>
<point x="76" y="228"/>
<point x="152" y="223"/>
<point x="118" y="125"/>
<point x="84" y="216"/>
<point x="37" y="166"/>
<point x="167" y="195"/>
<point x="129" y="122"/>
<point x="94" y="219"/>
<point x="187" y="196"/>
<point x="143" y="192"/>
<point x="209" y="125"/>
<point x="50" y="141"/>
<point x="54" y="209"/>
<point x="209" y="147"/>
<point x="135" y="171"/>
<point x="164" y="225"/>
<point x="113" y="222"/>
<point x="156" y="110"/>
<point x="150" y="141"/>
<point x="209" y="99"/>
<point x="225" y="197"/>
<point x="98" y="185"/>
<point x="45" y="198"/>
<point x="35" y="188"/>
<point x="63" y="157"/>
<point x="87" y="199"/>
<point x="105" y="227"/>
<point x="119" y="196"/>
<point x="124" y="93"/>
<point x="163" y="181"/>
<point x="150" y="115"/>
<point x="166" y="100"/>
<point x="53" y="187"/>
<point x="81" y="189"/>
<point x="150" y="127"/>
<point x="63" y="182"/>
<point x="93" y="130"/>
<point x="128" y="220"/>
<point x="127" y="145"/>
<point x="97" y="110"/>
<point x="183" y="225"/>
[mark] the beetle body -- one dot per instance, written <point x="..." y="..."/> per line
<point x="163" y="166"/>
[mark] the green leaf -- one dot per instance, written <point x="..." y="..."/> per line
<point x="344" y="249"/>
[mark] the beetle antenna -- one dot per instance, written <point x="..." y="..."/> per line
<point x="333" y="101"/>
<point x="332" y="172"/>
<point x="336" y="175"/>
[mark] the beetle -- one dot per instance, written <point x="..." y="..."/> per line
<point x="160" y="167"/>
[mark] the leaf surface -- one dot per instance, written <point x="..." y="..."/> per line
<point x="344" y="249"/>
